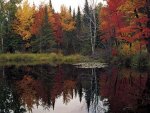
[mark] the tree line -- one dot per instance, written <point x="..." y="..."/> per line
<point x="119" y="27"/>
<point x="27" y="28"/>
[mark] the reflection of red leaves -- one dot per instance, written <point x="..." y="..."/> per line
<point x="69" y="85"/>
<point x="27" y="91"/>
<point x="122" y="87"/>
<point x="58" y="84"/>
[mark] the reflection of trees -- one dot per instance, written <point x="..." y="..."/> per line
<point x="79" y="89"/>
<point x="124" y="88"/>
<point x="94" y="102"/>
<point x="35" y="88"/>
<point x="6" y="99"/>
<point x="43" y="84"/>
<point x="9" y="99"/>
<point x="144" y="100"/>
<point x="27" y="91"/>
<point x="68" y="90"/>
<point x="63" y="86"/>
<point x="58" y="85"/>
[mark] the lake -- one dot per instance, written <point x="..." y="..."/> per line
<point x="67" y="89"/>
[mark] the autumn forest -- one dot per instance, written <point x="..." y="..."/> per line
<point x="88" y="57"/>
<point x="118" y="31"/>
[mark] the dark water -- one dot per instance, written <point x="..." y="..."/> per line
<point x="66" y="89"/>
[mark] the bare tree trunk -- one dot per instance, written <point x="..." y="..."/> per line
<point x="2" y="43"/>
<point x="92" y="39"/>
<point x="93" y="27"/>
<point x="2" y="40"/>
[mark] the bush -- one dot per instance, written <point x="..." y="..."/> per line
<point x="122" y="60"/>
<point x="140" y="60"/>
<point x="137" y="61"/>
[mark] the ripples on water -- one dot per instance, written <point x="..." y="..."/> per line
<point x="66" y="89"/>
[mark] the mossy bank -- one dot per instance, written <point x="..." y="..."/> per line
<point x="30" y="58"/>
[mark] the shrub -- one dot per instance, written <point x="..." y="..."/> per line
<point x="140" y="60"/>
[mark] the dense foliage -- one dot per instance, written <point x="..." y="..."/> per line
<point x="30" y="28"/>
<point x="126" y="28"/>
<point x="121" y="28"/>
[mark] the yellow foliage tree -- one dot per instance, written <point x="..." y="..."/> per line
<point x="24" y="20"/>
<point x="67" y="22"/>
<point x="130" y="6"/>
<point x="128" y="50"/>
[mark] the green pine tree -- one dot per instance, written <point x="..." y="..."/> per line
<point x="86" y="12"/>
<point x="70" y="9"/>
<point x="47" y="38"/>
<point x="51" y="6"/>
<point x="12" y="41"/>
<point x="2" y="27"/>
<point x="74" y="14"/>
<point x="78" y="20"/>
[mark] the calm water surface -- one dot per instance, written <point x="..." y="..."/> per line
<point x="66" y="89"/>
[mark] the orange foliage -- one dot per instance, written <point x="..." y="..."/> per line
<point x="39" y="19"/>
<point x="67" y="22"/>
<point x="57" y="28"/>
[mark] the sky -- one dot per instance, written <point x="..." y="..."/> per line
<point x="57" y="3"/>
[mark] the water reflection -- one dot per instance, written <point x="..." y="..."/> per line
<point x="66" y="89"/>
<point x="128" y="90"/>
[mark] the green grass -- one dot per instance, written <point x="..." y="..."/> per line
<point x="30" y="58"/>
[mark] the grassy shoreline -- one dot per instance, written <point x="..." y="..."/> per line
<point x="43" y="58"/>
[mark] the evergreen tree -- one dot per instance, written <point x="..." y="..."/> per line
<point x="43" y="39"/>
<point x="74" y="14"/>
<point x="51" y="6"/>
<point x="86" y="7"/>
<point x="12" y="41"/>
<point x="2" y="20"/>
<point x="78" y="20"/>
<point x="98" y="42"/>
<point x="47" y="39"/>
<point x="86" y="12"/>
<point x="85" y="44"/>
<point x="70" y="10"/>
<point x="78" y="31"/>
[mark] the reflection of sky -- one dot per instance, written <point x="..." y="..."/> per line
<point x="74" y="106"/>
